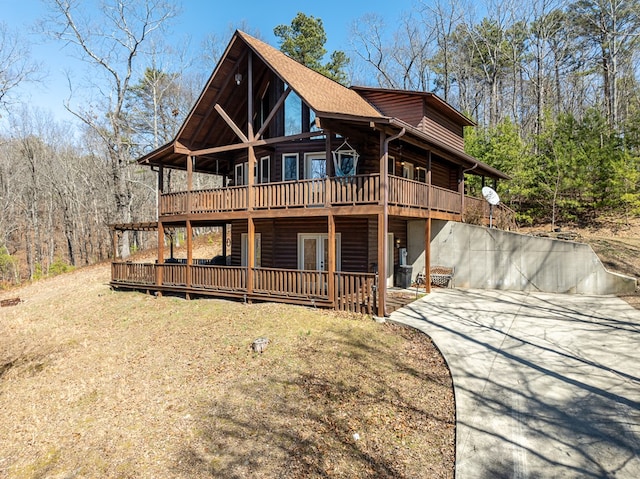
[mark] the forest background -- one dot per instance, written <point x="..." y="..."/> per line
<point x="553" y="86"/>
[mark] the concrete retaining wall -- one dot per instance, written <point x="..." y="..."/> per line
<point x="495" y="259"/>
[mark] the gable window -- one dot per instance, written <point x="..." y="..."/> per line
<point x="265" y="168"/>
<point x="292" y="115"/>
<point x="290" y="167"/>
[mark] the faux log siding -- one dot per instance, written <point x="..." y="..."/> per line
<point x="406" y="107"/>
<point x="440" y="175"/>
<point x="279" y="241"/>
<point x="443" y="133"/>
<point x="373" y="242"/>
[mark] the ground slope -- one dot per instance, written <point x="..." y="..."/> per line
<point x="95" y="383"/>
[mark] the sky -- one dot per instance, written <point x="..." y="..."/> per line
<point x="198" y="19"/>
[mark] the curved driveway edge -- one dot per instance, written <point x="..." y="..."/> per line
<point x="546" y="385"/>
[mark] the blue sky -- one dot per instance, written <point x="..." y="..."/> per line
<point x="198" y="19"/>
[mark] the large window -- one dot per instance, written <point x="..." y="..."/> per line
<point x="292" y="115"/>
<point x="290" y="167"/>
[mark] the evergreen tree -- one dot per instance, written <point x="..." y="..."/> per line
<point x="304" y="41"/>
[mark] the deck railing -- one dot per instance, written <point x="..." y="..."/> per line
<point x="353" y="191"/>
<point x="309" y="193"/>
<point x="354" y="292"/>
<point x="291" y="283"/>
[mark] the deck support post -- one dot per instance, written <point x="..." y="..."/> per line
<point x="160" y="261"/>
<point x="251" y="254"/>
<point x="114" y="240"/>
<point x="189" y="252"/>
<point x="331" y="267"/>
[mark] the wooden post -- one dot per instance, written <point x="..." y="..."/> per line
<point x="160" y="191"/>
<point x="189" y="252"/>
<point x="114" y="239"/>
<point x="329" y="169"/>
<point x="160" y="262"/>
<point x="251" y="254"/>
<point x="331" y="267"/>
<point x="190" y="160"/>
<point x="251" y="162"/>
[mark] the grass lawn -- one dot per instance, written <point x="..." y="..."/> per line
<point x="95" y="383"/>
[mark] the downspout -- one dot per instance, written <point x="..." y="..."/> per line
<point x="462" y="190"/>
<point x="383" y="223"/>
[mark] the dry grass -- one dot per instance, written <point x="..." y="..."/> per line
<point x="95" y="383"/>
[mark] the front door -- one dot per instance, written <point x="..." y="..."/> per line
<point x="313" y="251"/>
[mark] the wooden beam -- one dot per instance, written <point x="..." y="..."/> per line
<point x="331" y="267"/>
<point x="239" y="146"/>
<point x="273" y="112"/>
<point x="189" y="183"/>
<point x="180" y="148"/>
<point x="231" y="123"/>
<point x="251" y="253"/>
<point x="215" y="101"/>
<point x="189" y="252"/>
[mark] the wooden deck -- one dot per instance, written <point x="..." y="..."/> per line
<point x="355" y="292"/>
<point x="353" y="191"/>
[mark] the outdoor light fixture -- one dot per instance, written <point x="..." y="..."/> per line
<point x="238" y="78"/>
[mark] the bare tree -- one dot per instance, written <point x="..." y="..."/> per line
<point x="16" y="66"/>
<point x="111" y="44"/>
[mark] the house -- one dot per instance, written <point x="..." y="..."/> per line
<point x="326" y="190"/>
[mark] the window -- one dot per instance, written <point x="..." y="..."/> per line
<point x="315" y="165"/>
<point x="407" y="170"/>
<point x="241" y="174"/>
<point x="392" y="165"/>
<point x="265" y="169"/>
<point x="292" y="115"/>
<point x="290" y="167"/>
<point x="421" y="175"/>
<point x="244" y="259"/>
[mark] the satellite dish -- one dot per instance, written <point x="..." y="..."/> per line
<point x="490" y="195"/>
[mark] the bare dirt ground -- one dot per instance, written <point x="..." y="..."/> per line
<point x="96" y="383"/>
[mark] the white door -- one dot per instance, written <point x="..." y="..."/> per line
<point x="313" y="251"/>
<point x="315" y="165"/>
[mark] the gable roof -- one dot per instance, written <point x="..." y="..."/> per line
<point x="205" y="126"/>
<point x="322" y="94"/>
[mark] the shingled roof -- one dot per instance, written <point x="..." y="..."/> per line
<point x="322" y="94"/>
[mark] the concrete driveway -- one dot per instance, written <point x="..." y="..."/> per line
<point x="546" y="385"/>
